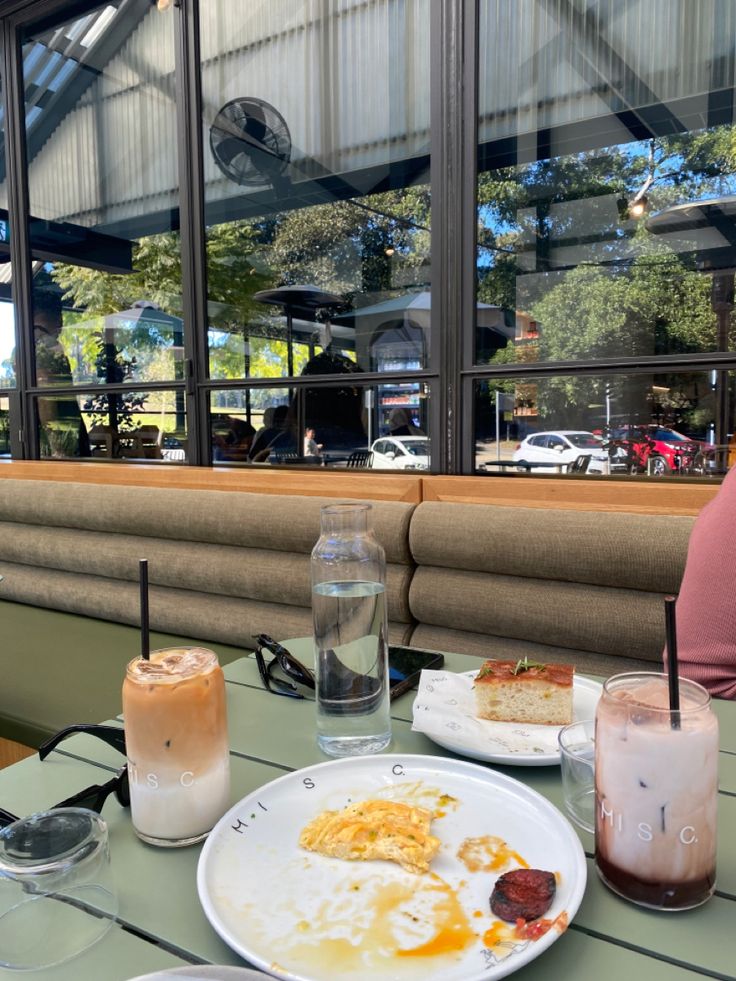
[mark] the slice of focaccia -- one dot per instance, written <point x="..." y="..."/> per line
<point x="524" y="691"/>
<point x="374" y="829"/>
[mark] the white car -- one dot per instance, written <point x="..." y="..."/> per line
<point x="561" y="449"/>
<point x="401" y="453"/>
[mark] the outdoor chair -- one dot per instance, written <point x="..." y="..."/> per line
<point x="360" y="458"/>
<point x="279" y="458"/>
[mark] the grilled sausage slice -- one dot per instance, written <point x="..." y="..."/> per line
<point x="524" y="894"/>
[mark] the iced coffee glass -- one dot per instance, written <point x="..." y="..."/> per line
<point x="656" y="777"/>
<point x="177" y="745"/>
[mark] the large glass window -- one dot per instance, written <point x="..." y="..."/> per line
<point x="128" y="425"/>
<point x="606" y="217"/>
<point x="316" y="148"/>
<point x="103" y="182"/>
<point x="602" y="286"/>
<point x="339" y="425"/>
<point x="654" y="424"/>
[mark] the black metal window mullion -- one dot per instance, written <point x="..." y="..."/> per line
<point x="469" y="229"/>
<point x="192" y="228"/>
<point x="24" y="431"/>
<point x="454" y="30"/>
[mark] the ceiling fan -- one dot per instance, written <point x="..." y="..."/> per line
<point x="251" y="144"/>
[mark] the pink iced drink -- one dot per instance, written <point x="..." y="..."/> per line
<point x="176" y="736"/>
<point x="656" y="792"/>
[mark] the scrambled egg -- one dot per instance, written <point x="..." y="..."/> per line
<point x="374" y="829"/>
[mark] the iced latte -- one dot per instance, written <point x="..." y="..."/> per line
<point x="176" y="736"/>
<point x="656" y="775"/>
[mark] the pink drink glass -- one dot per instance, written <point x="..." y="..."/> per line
<point x="656" y="776"/>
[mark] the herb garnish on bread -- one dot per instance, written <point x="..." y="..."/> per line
<point x="524" y="691"/>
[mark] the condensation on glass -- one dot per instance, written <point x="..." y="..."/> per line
<point x="662" y="425"/>
<point x="345" y="425"/>
<point x="310" y="258"/>
<point x="100" y="119"/>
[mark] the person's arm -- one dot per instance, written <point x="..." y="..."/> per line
<point x="706" y="604"/>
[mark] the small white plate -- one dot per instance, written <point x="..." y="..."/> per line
<point x="305" y="917"/>
<point x="444" y="710"/>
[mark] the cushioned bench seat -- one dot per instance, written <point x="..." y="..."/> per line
<point x="549" y="584"/>
<point x="222" y="566"/>
<point x="493" y="581"/>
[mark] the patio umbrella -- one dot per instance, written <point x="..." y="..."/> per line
<point x="414" y="309"/>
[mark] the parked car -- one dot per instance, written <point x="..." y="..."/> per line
<point x="656" y="450"/>
<point x="561" y="449"/>
<point x="401" y="453"/>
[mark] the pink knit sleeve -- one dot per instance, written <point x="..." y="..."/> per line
<point x="706" y="605"/>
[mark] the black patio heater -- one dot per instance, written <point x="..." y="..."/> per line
<point x="299" y="301"/>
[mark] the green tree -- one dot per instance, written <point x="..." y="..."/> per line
<point x="342" y="247"/>
<point x="236" y="270"/>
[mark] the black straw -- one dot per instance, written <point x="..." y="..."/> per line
<point x="671" y="640"/>
<point x="145" y="643"/>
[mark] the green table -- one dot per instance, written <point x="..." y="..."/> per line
<point x="161" y="923"/>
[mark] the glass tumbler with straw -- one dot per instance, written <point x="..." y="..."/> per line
<point x="175" y="715"/>
<point x="656" y="776"/>
<point x="350" y="633"/>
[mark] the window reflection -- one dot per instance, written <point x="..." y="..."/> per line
<point x="343" y="425"/>
<point x="143" y="343"/>
<point x="318" y="216"/>
<point x="4" y="426"/>
<point x="643" y="424"/>
<point x="599" y="280"/>
<point x="7" y="326"/>
<point x="100" y="123"/>
<point x="114" y="426"/>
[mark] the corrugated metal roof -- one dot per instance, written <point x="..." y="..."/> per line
<point x="547" y="63"/>
<point x="351" y="79"/>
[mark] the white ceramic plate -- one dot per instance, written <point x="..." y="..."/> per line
<point x="449" y="720"/>
<point x="206" y="972"/>
<point x="305" y="917"/>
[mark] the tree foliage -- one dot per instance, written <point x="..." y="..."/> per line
<point x="554" y="243"/>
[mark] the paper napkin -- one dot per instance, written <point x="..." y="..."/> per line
<point x="444" y="710"/>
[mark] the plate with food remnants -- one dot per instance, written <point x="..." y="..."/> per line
<point x="394" y="868"/>
<point x="505" y="712"/>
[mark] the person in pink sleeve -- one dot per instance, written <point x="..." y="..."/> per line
<point x="706" y="605"/>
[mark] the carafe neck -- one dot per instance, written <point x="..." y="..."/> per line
<point x="340" y="520"/>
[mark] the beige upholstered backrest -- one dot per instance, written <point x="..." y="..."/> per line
<point x="222" y="566"/>
<point x="492" y="580"/>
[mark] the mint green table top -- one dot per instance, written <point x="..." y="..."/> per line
<point x="162" y="924"/>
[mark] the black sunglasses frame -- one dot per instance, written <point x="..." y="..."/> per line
<point x="93" y="797"/>
<point x="292" y="668"/>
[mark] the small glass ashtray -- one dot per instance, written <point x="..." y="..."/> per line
<point x="57" y="895"/>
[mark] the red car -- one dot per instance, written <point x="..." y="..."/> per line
<point x="655" y="450"/>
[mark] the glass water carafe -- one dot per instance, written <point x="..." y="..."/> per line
<point x="350" y="633"/>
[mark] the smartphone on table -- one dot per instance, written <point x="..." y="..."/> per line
<point x="405" y="664"/>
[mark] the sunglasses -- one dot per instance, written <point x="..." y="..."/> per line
<point x="343" y="690"/>
<point x="283" y="659"/>
<point x="94" y="796"/>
